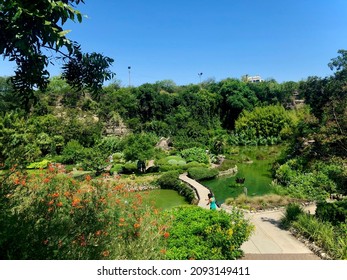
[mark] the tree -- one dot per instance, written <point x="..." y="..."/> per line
<point x="28" y="29"/>
<point x="139" y="147"/>
<point x="236" y="96"/>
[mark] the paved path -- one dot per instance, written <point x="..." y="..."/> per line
<point x="200" y="189"/>
<point x="268" y="242"/>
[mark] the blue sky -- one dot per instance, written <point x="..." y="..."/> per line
<point x="285" y="40"/>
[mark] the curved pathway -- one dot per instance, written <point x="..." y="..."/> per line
<point x="201" y="190"/>
<point x="268" y="242"/>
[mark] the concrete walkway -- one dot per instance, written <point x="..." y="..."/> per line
<point x="201" y="190"/>
<point x="268" y="242"/>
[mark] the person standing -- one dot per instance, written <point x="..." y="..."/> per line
<point x="212" y="201"/>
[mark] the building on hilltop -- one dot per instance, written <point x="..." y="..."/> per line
<point x="254" y="79"/>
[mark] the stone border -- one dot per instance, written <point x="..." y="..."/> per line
<point x="311" y="245"/>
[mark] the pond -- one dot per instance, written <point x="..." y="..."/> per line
<point x="165" y="199"/>
<point x="254" y="164"/>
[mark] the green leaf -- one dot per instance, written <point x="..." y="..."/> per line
<point x="79" y="17"/>
<point x="64" y="32"/>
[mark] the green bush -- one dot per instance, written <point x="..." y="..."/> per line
<point x="194" y="164"/>
<point x="293" y="210"/>
<point x="129" y="168"/>
<point x="38" y="165"/>
<point x="334" y="213"/>
<point x="195" y="154"/>
<point x="202" y="173"/>
<point x="73" y="152"/>
<point x="202" y="234"/>
<point x="116" y="169"/>
<point x="169" y="180"/>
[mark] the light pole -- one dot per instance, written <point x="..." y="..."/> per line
<point x="200" y="74"/>
<point x="129" y="68"/>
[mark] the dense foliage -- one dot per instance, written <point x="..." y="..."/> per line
<point x="29" y="29"/>
<point x="202" y="173"/>
<point x="206" y="235"/>
<point x="51" y="216"/>
<point x="78" y="122"/>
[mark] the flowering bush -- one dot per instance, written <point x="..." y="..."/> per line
<point x="52" y="216"/>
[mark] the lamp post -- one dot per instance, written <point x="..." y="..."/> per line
<point x="200" y="74"/>
<point x="129" y="68"/>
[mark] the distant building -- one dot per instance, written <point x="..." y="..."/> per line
<point x="254" y="79"/>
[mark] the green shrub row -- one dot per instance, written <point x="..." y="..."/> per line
<point x="202" y="173"/>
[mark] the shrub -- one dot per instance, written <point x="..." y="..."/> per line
<point x="201" y="173"/>
<point x="201" y="234"/>
<point x="73" y="152"/>
<point x="195" y="154"/>
<point x="116" y="169"/>
<point x="334" y="213"/>
<point x="169" y="180"/>
<point x="129" y="168"/>
<point x="194" y="164"/>
<point x="56" y="217"/>
<point x="38" y="165"/>
<point x="293" y="210"/>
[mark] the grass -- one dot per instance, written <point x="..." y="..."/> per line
<point x="260" y="202"/>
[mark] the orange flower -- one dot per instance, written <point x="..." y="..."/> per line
<point x="88" y="178"/>
<point x="105" y="253"/>
<point x="166" y="234"/>
<point x="60" y="204"/>
<point x="137" y="225"/>
<point x="55" y="195"/>
<point x="51" y="202"/>
<point x="98" y="233"/>
<point x="75" y="202"/>
<point x="16" y="181"/>
<point x="122" y="220"/>
<point x="46" y="180"/>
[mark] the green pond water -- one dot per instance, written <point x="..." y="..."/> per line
<point x="165" y="199"/>
<point x="254" y="164"/>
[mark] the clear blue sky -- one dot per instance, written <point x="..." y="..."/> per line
<point x="285" y="40"/>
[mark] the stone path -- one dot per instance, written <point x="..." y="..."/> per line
<point x="268" y="242"/>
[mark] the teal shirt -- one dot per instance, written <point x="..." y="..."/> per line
<point x="213" y="204"/>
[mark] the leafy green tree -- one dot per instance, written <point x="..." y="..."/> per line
<point x="265" y="121"/>
<point x="139" y="147"/>
<point x="7" y="101"/>
<point x="28" y="29"/>
<point x="236" y="96"/>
